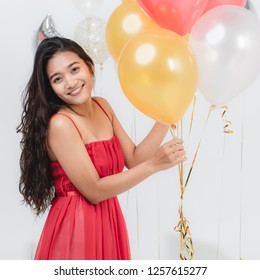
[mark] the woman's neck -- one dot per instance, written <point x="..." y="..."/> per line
<point x="85" y="110"/>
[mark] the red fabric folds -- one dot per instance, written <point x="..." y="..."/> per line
<point x="78" y="229"/>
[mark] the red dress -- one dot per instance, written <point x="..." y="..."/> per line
<point x="78" y="229"/>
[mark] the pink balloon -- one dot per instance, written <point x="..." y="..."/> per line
<point x="215" y="3"/>
<point x="176" y="15"/>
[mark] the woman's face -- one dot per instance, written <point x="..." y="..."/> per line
<point x="70" y="77"/>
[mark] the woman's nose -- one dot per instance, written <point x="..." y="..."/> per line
<point x="70" y="82"/>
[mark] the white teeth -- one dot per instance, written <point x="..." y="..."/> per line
<point x="75" y="91"/>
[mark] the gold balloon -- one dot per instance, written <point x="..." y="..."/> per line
<point x="186" y="37"/>
<point x="158" y="74"/>
<point x="125" y="22"/>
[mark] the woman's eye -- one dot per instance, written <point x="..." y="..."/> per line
<point x="75" y="69"/>
<point x="57" y="80"/>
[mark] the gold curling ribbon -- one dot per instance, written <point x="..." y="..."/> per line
<point x="227" y="123"/>
<point x="192" y="112"/>
<point x="223" y="116"/>
<point x="186" y="244"/>
<point x="183" y="226"/>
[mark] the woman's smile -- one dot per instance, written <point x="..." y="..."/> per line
<point x="76" y="91"/>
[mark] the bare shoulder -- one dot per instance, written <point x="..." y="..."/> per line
<point x="105" y="105"/>
<point x="62" y="125"/>
<point x="59" y="121"/>
<point x="103" y="102"/>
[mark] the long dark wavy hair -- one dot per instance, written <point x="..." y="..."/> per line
<point x="39" y="103"/>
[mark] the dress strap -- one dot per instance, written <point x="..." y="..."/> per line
<point x="102" y="109"/>
<point x="71" y="121"/>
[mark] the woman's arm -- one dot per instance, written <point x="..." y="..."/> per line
<point x="67" y="146"/>
<point x="145" y="149"/>
<point x="133" y="154"/>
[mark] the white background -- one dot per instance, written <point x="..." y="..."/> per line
<point x="221" y="200"/>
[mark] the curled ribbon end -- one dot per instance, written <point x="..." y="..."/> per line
<point x="227" y="122"/>
<point x="228" y="131"/>
<point x="186" y="244"/>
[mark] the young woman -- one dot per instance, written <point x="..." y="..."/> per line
<point x="73" y="154"/>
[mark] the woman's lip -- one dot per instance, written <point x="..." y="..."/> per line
<point x="75" y="91"/>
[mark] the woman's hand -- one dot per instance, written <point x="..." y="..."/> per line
<point x="168" y="155"/>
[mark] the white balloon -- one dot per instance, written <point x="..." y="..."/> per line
<point x="88" y="7"/>
<point x="226" y="44"/>
<point x="90" y="35"/>
<point x="249" y="5"/>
